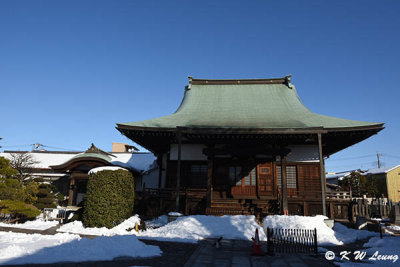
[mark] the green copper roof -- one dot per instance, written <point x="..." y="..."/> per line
<point x="93" y="153"/>
<point x="266" y="103"/>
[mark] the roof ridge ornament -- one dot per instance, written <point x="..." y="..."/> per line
<point x="288" y="80"/>
<point x="190" y="83"/>
<point x="94" y="149"/>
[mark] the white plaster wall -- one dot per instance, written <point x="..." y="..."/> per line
<point x="150" y="180"/>
<point x="188" y="152"/>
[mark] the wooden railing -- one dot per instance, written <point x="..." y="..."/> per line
<point x="293" y="194"/>
<point x="338" y="195"/>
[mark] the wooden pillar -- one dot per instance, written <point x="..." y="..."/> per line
<point x="71" y="190"/>
<point x="332" y="210"/>
<point x="178" y="170"/>
<point x="210" y="166"/>
<point x="322" y="174"/>
<point x="305" y="208"/>
<point x="160" y="166"/>
<point x="285" y="208"/>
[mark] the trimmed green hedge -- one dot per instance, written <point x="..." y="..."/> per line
<point x="109" y="198"/>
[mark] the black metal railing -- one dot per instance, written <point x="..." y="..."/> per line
<point x="292" y="241"/>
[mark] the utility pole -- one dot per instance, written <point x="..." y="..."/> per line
<point x="379" y="162"/>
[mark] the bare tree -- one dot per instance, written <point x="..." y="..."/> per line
<point x="24" y="163"/>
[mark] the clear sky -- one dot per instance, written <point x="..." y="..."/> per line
<point x="69" y="70"/>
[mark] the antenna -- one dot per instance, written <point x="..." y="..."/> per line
<point x="36" y="146"/>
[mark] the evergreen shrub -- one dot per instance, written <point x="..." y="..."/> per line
<point x="109" y="198"/>
<point x="46" y="198"/>
<point x="18" y="210"/>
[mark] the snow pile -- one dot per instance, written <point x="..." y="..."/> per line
<point x="326" y="236"/>
<point x="33" y="225"/>
<point x="16" y="248"/>
<point x="184" y="229"/>
<point x="124" y="228"/>
<point x="157" y="222"/>
<point x="106" y="168"/>
<point x="197" y="227"/>
<point x="393" y="228"/>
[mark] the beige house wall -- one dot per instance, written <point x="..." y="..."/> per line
<point x="393" y="184"/>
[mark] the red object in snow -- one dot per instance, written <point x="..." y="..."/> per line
<point x="257" y="246"/>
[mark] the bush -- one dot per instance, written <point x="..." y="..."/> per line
<point x="109" y="198"/>
<point x="46" y="197"/>
<point x="18" y="210"/>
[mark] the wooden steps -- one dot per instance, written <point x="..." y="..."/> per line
<point x="238" y="207"/>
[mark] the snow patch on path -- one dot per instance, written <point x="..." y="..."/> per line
<point x="32" y="225"/>
<point x="17" y="248"/>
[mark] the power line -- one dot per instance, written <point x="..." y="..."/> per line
<point x="17" y="145"/>
<point x="390" y="156"/>
<point x="69" y="149"/>
<point x="357" y="157"/>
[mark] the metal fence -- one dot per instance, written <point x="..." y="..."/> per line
<point x="292" y="241"/>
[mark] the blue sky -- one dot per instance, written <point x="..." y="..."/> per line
<point x="69" y="70"/>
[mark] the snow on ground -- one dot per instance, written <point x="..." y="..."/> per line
<point x="326" y="236"/>
<point x="33" y="225"/>
<point x="379" y="252"/>
<point x="17" y="248"/>
<point x="125" y="228"/>
<point x="392" y="228"/>
<point x="197" y="227"/>
<point x="157" y="222"/>
<point x="184" y="229"/>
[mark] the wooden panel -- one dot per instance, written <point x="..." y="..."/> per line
<point x="309" y="180"/>
<point x="265" y="179"/>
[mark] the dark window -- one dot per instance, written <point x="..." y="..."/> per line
<point x="198" y="176"/>
<point x="265" y="170"/>
<point x="291" y="176"/>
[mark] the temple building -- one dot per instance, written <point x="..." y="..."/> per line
<point x="246" y="146"/>
<point x="68" y="170"/>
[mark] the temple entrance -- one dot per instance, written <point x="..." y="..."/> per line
<point x="235" y="180"/>
<point x="242" y="181"/>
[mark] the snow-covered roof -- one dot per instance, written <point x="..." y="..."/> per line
<point x="338" y="176"/>
<point x="380" y="170"/>
<point x="44" y="158"/>
<point x="106" y="168"/>
<point x="139" y="161"/>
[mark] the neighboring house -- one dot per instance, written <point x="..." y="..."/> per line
<point x="68" y="171"/>
<point x="244" y="147"/>
<point x="388" y="181"/>
<point x="334" y="178"/>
